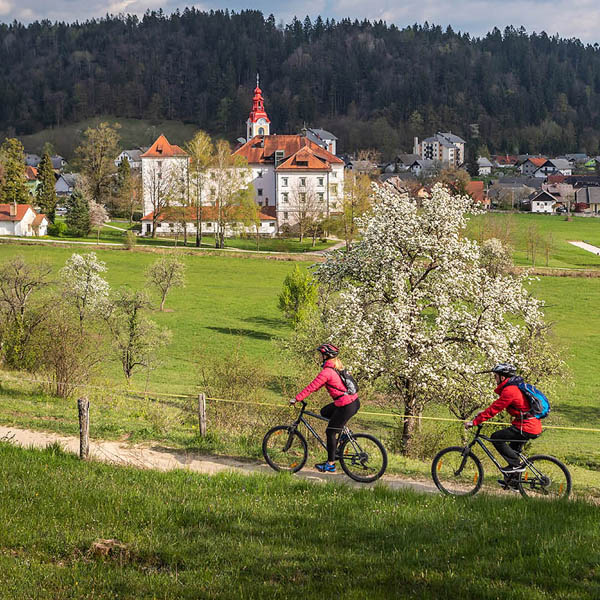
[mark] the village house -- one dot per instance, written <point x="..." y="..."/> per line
<point x="21" y="219"/>
<point x="134" y="157"/>
<point x="485" y="166"/>
<point x="505" y="161"/>
<point x="542" y="202"/>
<point x="65" y="184"/>
<point x="529" y="165"/>
<point x="590" y="197"/>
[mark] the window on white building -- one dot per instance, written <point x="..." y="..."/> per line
<point x="209" y="226"/>
<point x="334" y="205"/>
<point x="302" y="197"/>
<point x="284" y="197"/>
<point x="302" y="181"/>
<point x="284" y="182"/>
<point x="259" y="174"/>
<point x="334" y="175"/>
<point x="259" y="192"/>
<point x="321" y="196"/>
<point x="271" y="224"/>
<point x="334" y="188"/>
<point x="285" y="216"/>
<point x="321" y="180"/>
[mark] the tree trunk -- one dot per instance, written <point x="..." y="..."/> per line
<point x="162" y="302"/>
<point x="408" y="428"/>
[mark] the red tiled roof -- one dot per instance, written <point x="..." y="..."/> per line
<point x="305" y="160"/>
<point x="31" y="173"/>
<point x="476" y="190"/>
<point x="163" y="149"/>
<point x="538" y="162"/>
<point x="209" y="213"/>
<point x="506" y="159"/>
<point x="261" y="148"/>
<point x="5" y="212"/>
<point x="556" y="178"/>
<point x="38" y="220"/>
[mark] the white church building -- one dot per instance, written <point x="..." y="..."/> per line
<point x="290" y="174"/>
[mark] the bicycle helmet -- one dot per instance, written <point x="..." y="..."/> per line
<point x="505" y="369"/>
<point x="328" y="350"/>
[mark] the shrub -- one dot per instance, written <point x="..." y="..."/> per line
<point x="129" y="240"/>
<point x="58" y="229"/>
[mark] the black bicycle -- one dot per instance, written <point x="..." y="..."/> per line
<point x="362" y="456"/>
<point x="456" y="471"/>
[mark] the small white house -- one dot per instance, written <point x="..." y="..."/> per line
<point x="134" y="157"/>
<point x="543" y="202"/>
<point x="21" y="219"/>
<point x="485" y="165"/>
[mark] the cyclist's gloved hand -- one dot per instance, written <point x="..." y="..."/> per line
<point x="468" y="424"/>
<point x="292" y="401"/>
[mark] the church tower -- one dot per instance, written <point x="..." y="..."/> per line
<point x="258" y="121"/>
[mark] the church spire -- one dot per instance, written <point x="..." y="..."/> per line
<point x="258" y="121"/>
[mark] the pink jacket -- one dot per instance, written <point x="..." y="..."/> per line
<point x="329" y="378"/>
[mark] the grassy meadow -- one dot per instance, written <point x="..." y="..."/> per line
<point x="88" y="530"/>
<point x="230" y="304"/>
<point x="552" y="234"/>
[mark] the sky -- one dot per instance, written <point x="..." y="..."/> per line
<point x="577" y="18"/>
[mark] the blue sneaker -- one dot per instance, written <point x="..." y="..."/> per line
<point x="325" y="467"/>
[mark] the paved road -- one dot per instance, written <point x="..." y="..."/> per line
<point x="148" y="456"/>
<point x="586" y="246"/>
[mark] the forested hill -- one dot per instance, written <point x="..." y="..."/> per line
<point x="374" y="85"/>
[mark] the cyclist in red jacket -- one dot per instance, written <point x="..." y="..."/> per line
<point x="524" y="427"/>
<point x="343" y="407"/>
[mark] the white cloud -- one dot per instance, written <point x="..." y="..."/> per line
<point x="6" y="7"/>
<point x="579" y="18"/>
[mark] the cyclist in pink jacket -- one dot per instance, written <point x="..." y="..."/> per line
<point x="343" y="407"/>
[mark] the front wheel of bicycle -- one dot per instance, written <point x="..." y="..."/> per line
<point x="285" y="449"/>
<point x="456" y="473"/>
<point x="363" y="458"/>
<point x="545" y="477"/>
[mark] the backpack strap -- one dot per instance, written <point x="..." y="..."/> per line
<point x="345" y="392"/>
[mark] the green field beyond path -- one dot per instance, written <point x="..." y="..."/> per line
<point x="552" y="229"/>
<point x="187" y="536"/>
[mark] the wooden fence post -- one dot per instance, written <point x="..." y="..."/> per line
<point x="83" y="406"/>
<point x="202" y="413"/>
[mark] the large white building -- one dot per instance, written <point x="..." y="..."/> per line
<point x="446" y="148"/>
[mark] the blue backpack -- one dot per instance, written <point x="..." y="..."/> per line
<point x="538" y="403"/>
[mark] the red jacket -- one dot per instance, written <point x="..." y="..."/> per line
<point x="329" y="378"/>
<point x="511" y="398"/>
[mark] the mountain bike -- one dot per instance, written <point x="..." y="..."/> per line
<point x="456" y="471"/>
<point x="361" y="455"/>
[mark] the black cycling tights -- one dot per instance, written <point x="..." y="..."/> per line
<point x="509" y="442"/>
<point x="338" y="416"/>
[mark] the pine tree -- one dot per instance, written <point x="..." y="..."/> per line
<point x="13" y="186"/>
<point x="45" y="194"/>
<point x="78" y="215"/>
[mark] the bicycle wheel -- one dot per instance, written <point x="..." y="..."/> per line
<point x="363" y="457"/>
<point x="545" y="477"/>
<point x="456" y="473"/>
<point x="285" y="449"/>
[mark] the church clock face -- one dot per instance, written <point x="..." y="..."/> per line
<point x="262" y="122"/>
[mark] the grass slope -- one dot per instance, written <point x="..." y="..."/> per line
<point x="230" y="536"/>
<point x="133" y="133"/>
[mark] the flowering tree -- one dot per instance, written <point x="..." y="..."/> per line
<point x="98" y="216"/>
<point x="164" y="274"/>
<point x="418" y="309"/>
<point x="83" y="283"/>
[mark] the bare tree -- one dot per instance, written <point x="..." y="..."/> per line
<point x="356" y="201"/>
<point x="201" y="151"/>
<point x="308" y="207"/>
<point x="165" y="274"/>
<point x="135" y="337"/>
<point x="229" y="178"/>
<point x="157" y="191"/>
<point x="19" y="317"/>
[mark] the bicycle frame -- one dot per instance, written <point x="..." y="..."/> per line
<point x="477" y="440"/>
<point x="310" y="428"/>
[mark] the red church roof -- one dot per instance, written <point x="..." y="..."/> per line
<point x="258" y="106"/>
<point x="163" y="149"/>
<point x="261" y="149"/>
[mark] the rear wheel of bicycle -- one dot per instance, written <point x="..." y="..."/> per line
<point x="456" y="473"/>
<point x="545" y="477"/>
<point x="285" y="449"/>
<point x="363" y="458"/>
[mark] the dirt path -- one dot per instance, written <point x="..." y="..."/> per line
<point x="147" y="456"/>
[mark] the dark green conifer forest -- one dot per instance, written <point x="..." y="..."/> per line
<point x="375" y="85"/>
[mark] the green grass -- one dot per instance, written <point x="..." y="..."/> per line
<point x="230" y="304"/>
<point x="133" y="133"/>
<point x="232" y="536"/>
<point x="517" y="228"/>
